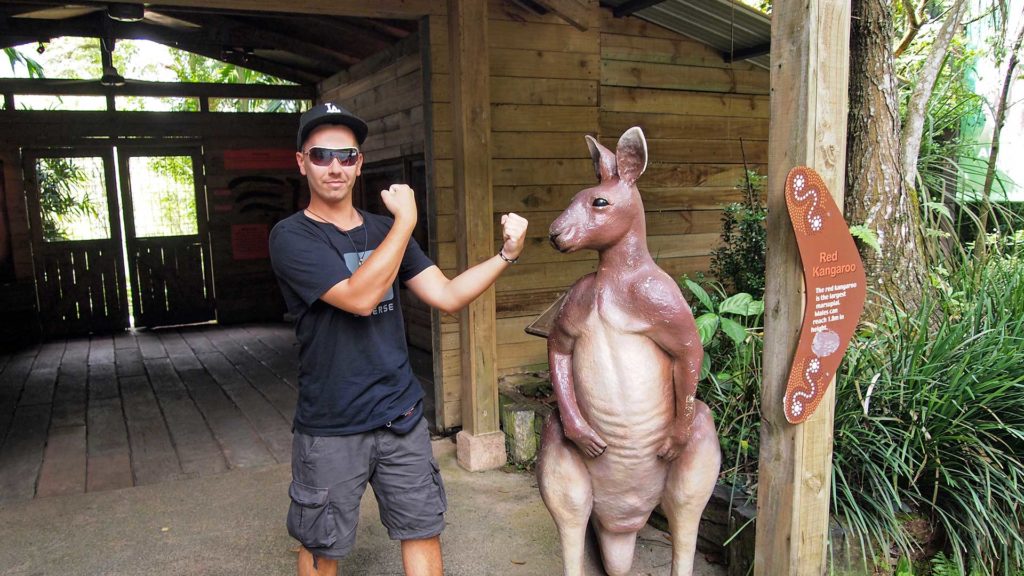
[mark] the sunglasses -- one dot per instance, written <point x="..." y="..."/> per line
<point x="324" y="156"/>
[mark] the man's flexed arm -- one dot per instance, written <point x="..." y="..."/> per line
<point x="450" y="296"/>
<point x="361" y="292"/>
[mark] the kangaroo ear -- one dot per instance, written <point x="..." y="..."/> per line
<point x="604" y="160"/>
<point x="631" y="154"/>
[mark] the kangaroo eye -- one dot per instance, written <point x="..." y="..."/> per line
<point x="599" y="202"/>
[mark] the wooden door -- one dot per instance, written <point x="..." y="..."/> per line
<point x="76" y="240"/>
<point x="166" y="236"/>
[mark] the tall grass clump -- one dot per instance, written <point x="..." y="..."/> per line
<point x="929" y="422"/>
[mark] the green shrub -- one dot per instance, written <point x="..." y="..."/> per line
<point x="733" y="338"/>
<point x="738" y="262"/>
<point x="929" y="422"/>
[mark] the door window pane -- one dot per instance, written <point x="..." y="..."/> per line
<point x="163" y="195"/>
<point x="73" y="199"/>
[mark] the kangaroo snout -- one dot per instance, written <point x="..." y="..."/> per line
<point x="557" y="240"/>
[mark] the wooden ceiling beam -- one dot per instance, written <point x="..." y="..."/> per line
<point x="98" y="26"/>
<point x="216" y="45"/>
<point x="362" y="8"/>
<point x="336" y="33"/>
<point x="579" y="15"/>
<point x="290" y="72"/>
<point x="62" y="87"/>
<point x="632" y="6"/>
<point x="383" y="27"/>
<point x="245" y="33"/>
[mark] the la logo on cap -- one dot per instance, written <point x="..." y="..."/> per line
<point x="332" y="108"/>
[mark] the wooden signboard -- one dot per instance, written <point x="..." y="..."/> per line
<point x="835" y="291"/>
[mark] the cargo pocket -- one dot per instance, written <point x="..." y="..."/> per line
<point x="435" y="472"/>
<point x="309" y="516"/>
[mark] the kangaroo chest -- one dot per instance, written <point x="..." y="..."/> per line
<point x="623" y="380"/>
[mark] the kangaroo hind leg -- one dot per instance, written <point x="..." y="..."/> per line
<point x="565" y="487"/>
<point x="691" y="479"/>
<point x="616" y="550"/>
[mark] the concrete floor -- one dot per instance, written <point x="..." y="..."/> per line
<point x="233" y="524"/>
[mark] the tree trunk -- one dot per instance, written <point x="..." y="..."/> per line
<point x="913" y="127"/>
<point x="993" y="154"/>
<point x="875" y="196"/>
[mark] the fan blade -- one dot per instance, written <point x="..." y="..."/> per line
<point x="59" y="12"/>
<point x="169" y="21"/>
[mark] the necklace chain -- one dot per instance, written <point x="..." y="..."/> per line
<point x="360" y="255"/>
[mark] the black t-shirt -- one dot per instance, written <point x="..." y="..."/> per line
<point x="354" y="372"/>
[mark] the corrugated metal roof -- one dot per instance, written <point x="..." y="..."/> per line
<point x="726" y="25"/>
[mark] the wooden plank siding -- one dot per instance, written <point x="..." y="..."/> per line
<point x="551" y="83"/>
<point x="544" y="87"/>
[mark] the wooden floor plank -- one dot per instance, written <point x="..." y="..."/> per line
<point x="125" y="339"/>
<point x="22" y="452"/>
<point x="129" y="362"/>
<point x="108" y="453"/>
<point x="76" y="351"/>
<point x="226" y="345"/>
<point x="39" y="386"/>
<point x="280" y="337"/>
<point x="279" y="393"/>
<point x="275" y="390"/>
<point x="12" y="382"/>
<point x="197" y="340"/>
<point x="179" y="351"/>
<point x="70" y="395"/>
<point x="103" y="382"/>
<point x="64" y="462"/>
<point x="268" y="422"/>
<point x="50" y="354"/>
<point x="241" y="445"/>
<point x="285" y="367"/>
<point x="197" y="449"/>
<point x="153" y="456"/>
<point x="150" y="345"/>
<point x="101" y="350"/>
<point x="109" y="412"/>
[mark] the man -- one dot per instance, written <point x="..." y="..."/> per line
<point x="359" y="417"/>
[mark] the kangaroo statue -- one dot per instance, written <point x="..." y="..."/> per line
<point x="625" y="358"/>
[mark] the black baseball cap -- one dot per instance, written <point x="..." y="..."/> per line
<point x="329" y="113"/>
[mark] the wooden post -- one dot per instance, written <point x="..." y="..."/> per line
<point x="480" y="441"/>
<point x="809" y="77"/>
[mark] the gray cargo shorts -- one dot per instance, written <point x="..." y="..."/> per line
<point x="329" y="476"/>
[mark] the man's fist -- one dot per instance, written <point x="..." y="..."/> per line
<point x="513" y="232"/>
<point x="400" y="200"/>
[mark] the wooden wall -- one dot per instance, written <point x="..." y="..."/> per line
<point x="386" y="91"/>
<point x="551" y="84"/>
<point x="252" y="182"/>
<point x="544" y="90"/>
<point x="703" y="118"/>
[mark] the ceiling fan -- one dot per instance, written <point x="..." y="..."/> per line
<point x="117" y="11"/>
